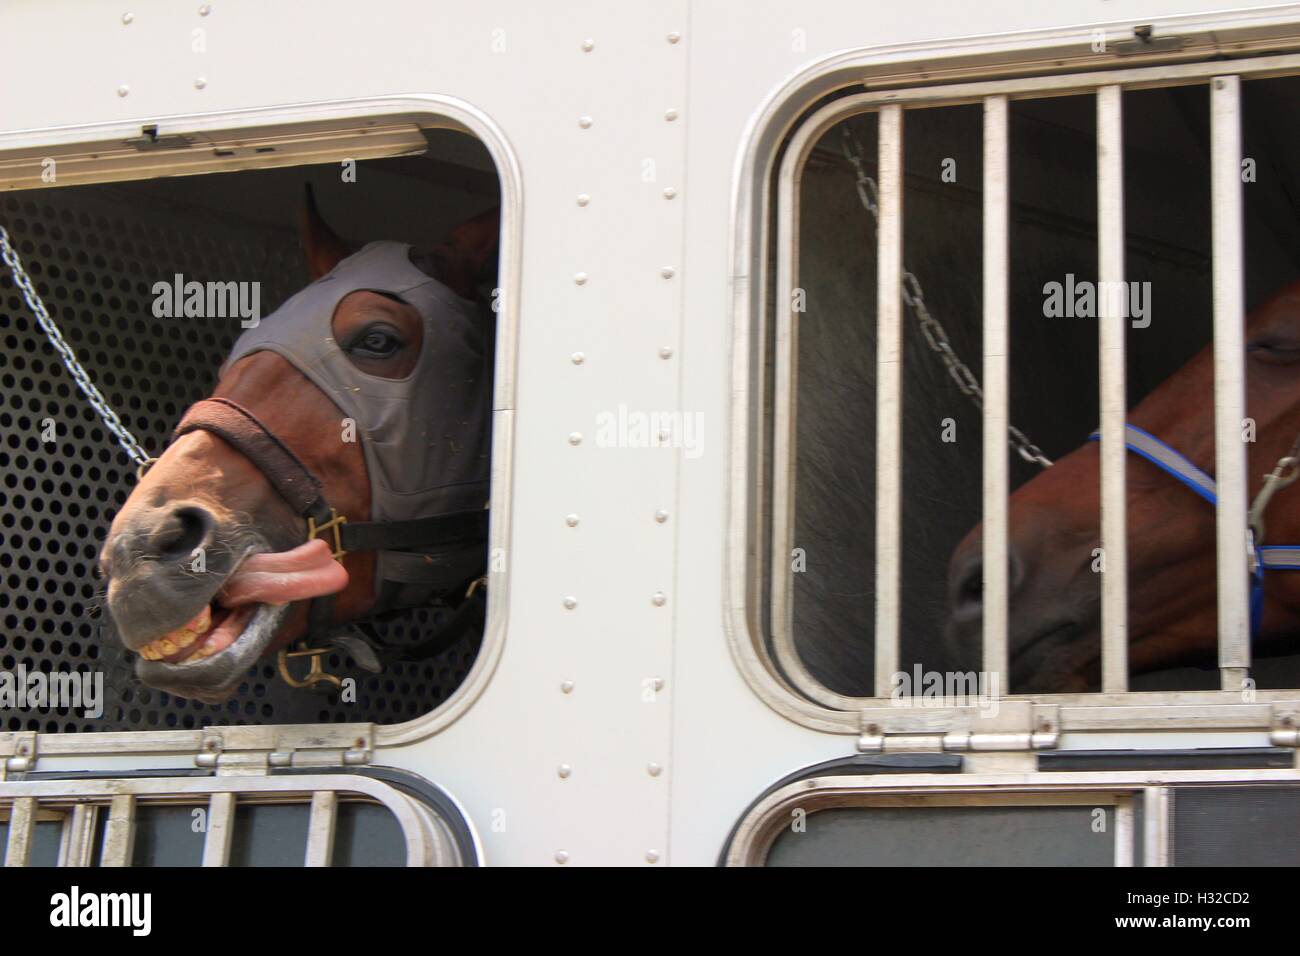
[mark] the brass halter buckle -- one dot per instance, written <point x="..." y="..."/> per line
<point x="334" y="525"/>
<point x="317" y="672"/>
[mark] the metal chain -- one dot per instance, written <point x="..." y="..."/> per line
<point x="96" y="399"/>
<point x="935" y="335"/>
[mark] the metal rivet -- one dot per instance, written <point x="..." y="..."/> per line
<point x="583" y="199"/>
<point x="652" y="856"/>
<point x="580" y="278"/>
<point x="570" y="602"/>
<point x="657" y="683"/>
<point x="667" y="272"/>
<point x="571" y="520"/>
<point x="577" y="358"/>
<point x="670" y="115"/>
<point x="666" y="352"/>
<point x="123" y="90"/>
<point x="561" y="856"/>
<point x="564" y="770"/>
<point x="669" y="193"/>
<point x="127" y="18"/>
<point x="653" y="769"/>
<point x="566" y="687"/>
<point x="658" y="599"/>
<point x="661" y="516"/>
<point x="205" y="9"/>
<point x="575" y="438"/>
<point x="200" y="83"/>
<point x="588" y="45"/>
<point x="584" y="122"/>
<point x="674" y="37"/>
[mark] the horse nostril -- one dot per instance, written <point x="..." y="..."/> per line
<point x="970" y="587"/>
<point x="182" y="531"/>
<point x="968" y="593"/>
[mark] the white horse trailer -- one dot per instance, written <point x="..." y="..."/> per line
<point x="639" y="695"/>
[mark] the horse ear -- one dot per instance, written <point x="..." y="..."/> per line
<point x="467" y="257"/>
<point x="323" y="247"/>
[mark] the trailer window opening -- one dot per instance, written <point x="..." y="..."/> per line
<point x="1055" y="251"/>
<point x="99" y="248"/>
<point x="1171" y="818"/>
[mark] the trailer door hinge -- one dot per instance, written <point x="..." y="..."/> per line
<point x="1285" y="731"/>
<point x="993" y="726"/>
<point x="19" y="752"/>
<point x="250" y="750"/>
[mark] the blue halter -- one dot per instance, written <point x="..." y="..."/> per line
<point x="1263" y="557"/>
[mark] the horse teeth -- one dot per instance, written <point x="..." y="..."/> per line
<point x="149" y="654"/>
<point x="200" y="622"/>
<point x="167" y="647"/>
<point x="207" y="650"/>
<point x="185" y="638"/>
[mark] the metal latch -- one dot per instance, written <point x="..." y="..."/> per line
<point x="1145" y="41"/>
<point x="150" y="140"/>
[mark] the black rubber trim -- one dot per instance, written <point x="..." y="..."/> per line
<point x="1209" y="758"/>
<point x="858" y="765"/>
<point x="413" y="785"/>
<point x="31" y="775"/>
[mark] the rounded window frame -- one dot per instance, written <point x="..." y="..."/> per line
<point x="428" y="111"/>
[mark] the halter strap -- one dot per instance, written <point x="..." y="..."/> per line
<point x="1274" y="557"/>
<point x="236" y="425"/>
<point x="1279" y="557"/>
<point x="303" y="491"/>
<point x="1168" y="460"/>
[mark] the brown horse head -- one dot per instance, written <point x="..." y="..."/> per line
<point x="1054" y="526"/>
<point x="376" y="379"/>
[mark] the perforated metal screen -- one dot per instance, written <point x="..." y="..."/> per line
<point x="95" y="254"/>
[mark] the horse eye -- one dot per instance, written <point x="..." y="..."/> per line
<point x="378" y="341"/>
<point x="1275" y="351"/>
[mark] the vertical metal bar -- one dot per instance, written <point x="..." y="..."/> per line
<point x="1124" y="818"/>
<point x="1155" y="823"/>
<point x="889" y="393"/>
<point x="119" y="832"/>
<point x="1110" y="261"/>
<point x="1229" y="380"/>
<point x="221" y="827"/>
<point x="77" y="842"/>
<point x="22" y="825"/>
<point x="996" y="201"/>
<point x="320" y="829"/>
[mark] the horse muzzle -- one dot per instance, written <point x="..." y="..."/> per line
<point x="1052" y="620"/>
<point x="199" y="602"/>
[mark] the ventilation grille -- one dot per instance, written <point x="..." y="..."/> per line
<point x="94" y="254"/>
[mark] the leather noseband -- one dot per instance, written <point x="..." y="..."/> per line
<point x="303" y="492"/>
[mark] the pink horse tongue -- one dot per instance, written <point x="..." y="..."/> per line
<point x="307" y="571"/>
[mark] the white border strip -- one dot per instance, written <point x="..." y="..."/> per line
<point x="1229" y="379"/>
<point x="1111" y="390"/>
